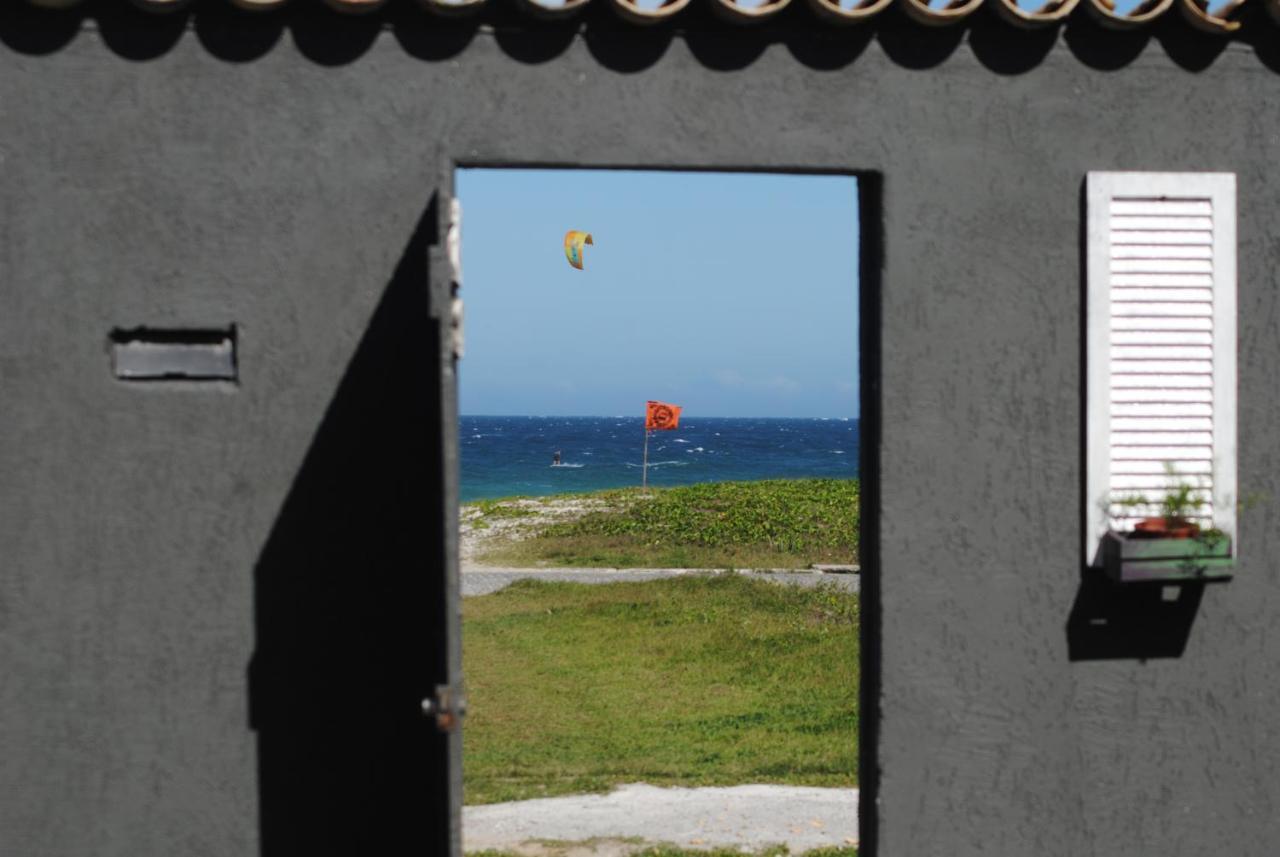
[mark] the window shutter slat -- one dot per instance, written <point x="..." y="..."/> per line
<point x="1161" y="266"/>
<point x="1141" y="439"/>
<point x="1161" y="346"/>
<point x="1162" y="224"/>
<point x="1163" y="281"/>
<point x="1120" y="237"/>
<point x="1162" y="207"/>
<point x="1162" y="382"/>
<point x="1156" y="337"/>
<point x="1126" y="395"/>
<point x="1160" y="409"/>
<point x="1163" y="310"/>
<point x="1158" y="454"/>
<point x="1129" y="467"/>
<point x="1153" y="323"/>
<point x="1201" y="249"/>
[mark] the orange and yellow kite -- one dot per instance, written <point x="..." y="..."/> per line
<point x="573" y="242"/>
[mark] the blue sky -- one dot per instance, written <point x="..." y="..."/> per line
<point x="731" y="294"/>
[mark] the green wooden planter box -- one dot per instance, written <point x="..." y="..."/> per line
<point x="1130" y="560"/>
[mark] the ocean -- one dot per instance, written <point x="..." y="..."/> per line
<point x="505" y="456"/>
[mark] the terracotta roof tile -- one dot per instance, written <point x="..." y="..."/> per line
<point x="1222" y="21"/>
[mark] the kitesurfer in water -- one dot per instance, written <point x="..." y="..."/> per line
<point x="555" y="461"/>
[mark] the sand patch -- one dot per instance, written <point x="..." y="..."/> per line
<point x="484" y="527"/>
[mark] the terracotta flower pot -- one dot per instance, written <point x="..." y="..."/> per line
<point x="1165" y="528"/>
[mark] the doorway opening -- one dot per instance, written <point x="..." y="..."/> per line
<point x="663" y="434"/>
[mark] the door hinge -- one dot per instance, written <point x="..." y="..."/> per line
<point x="453" y="246"/>
<point x="455" y="328"/>
<point x="448" y="705"/>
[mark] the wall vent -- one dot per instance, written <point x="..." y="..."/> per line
<point x="152" y="354"/>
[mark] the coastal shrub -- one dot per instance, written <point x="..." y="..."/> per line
<point x="787" y="515"/>
<point x="549" y="849"/>
<point x="503" y="509"/>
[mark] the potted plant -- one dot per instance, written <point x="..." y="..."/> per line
<point x="1169" y="547"/>
<point x="1177" y="507"/>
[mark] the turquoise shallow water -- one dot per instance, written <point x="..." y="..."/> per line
<point x="504" y="456"/>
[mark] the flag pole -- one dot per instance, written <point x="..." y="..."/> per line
<point x="644" y="472"/>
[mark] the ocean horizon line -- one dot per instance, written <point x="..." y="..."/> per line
<point x="526" y="455"/>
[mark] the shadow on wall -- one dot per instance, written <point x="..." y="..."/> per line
<point x="1109" y="620"/>
<point x="327" y="37"/>
<point x="1114" y="621"/>
<point x="348" y="606"/>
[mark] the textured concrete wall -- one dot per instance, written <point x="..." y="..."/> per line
<point x="156" y="540"/>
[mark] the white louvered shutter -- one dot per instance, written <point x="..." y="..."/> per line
<point x="1161" y="345"/>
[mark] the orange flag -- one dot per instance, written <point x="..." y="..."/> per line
<point x="659" y="416"/>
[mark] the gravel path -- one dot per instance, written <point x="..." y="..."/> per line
<point x="482" y="580"/>
<point x="753" y="817"/>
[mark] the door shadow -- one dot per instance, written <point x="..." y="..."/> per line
<point x="349" y="605"/>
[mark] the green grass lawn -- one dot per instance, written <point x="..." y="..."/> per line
<point x="683" y="681"/>
<point x="779" y="523"/>
<point x="667" y="851"/>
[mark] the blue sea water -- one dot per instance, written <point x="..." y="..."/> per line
<point x="504" y="456"/>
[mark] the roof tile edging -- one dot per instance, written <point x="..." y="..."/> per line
<point x="1223" y="22"/>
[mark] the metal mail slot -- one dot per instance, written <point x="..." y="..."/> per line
<point x="196" y="355"/>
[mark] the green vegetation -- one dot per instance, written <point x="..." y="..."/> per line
<point x="669" y="851"/>
<point x="503" y="509"/>
<point x="1178" y="503"/>
<point x="692" y="681"/>
<point x="778" y="851"/>
<point x="786" y="523"/>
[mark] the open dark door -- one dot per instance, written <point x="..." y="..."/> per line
<point x="445" y="706"/>
<point x="354" y="685"/>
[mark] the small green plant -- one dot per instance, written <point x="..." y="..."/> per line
<point x="1211" y="537"/>
<point x="1177" y="505"/>
<point x="1179" y="502"/>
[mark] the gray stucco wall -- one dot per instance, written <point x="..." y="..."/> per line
<point x="274" y="177"/>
